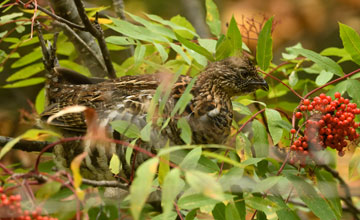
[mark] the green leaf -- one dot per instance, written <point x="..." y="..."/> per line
<point x="119" y="40"/>
<point x="26" y="82"/>
<point x="126" y="128"/>
<point x="26" y="72"/>
<point x="324" y="62"/>
<point x="328" y="188"/>
<point x="139" y="53"/>
<point x="180" y="51"/>
<point x="267" y="183"/>
<point x="261" y="143"/>
<point x="213" y="18"/>
<point x="145" y="133"/>
<point x="353" y="89"/>
<point x="340" y="87"/>
<point x="163" y="54"/>
<point x="173" y="184"/>
<point x="195" y="201"/>
<point x="264" y="46"/>
<point x="243" y="109"/>
<point x="183" y="22"/>
<point x="351" y="41"/>
<point x="231" y="213"/>
<point x="338" y="52"/>
<point x="293" y="78"/>
<point x="223" y="48"/>
<point x="185" y="130"/>
<point x="184" y="99"/>
<point x="208" y="44"/>
<point x="354" y="163"/>
<point x="219" y="211"/>
<point x="136" y="32"/>
<point x="204" y="183"/>
<point x="261" y="204"/>
<point x="74" y="66"/>
<point x="285" y="213"/>
<point x="28" y="58"/>
<point x="115" y="164"/>
<point x="234" y="35"/>
<point x="8" y="146"/>
<point x="9" y="17"/>
<point x="308" y="194"/>
<point x="142" y="186"/>
<point x="323" y="77"/>
<point x="47" y="190"/>
<point x="191" y="159"/>
<point x="40" y="101"/>
<point x="272" y="117"/>
<point x="197" y="48"/>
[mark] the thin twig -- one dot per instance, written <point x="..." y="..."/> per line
<point x="97" y="32"/>
<point x="58" y="18"/>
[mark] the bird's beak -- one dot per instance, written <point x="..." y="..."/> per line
<point x="261" y="84"/>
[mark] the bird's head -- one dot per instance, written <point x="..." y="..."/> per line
<point x="236" y="76"/>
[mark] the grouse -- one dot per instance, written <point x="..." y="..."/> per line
<point x="209" y="113"/>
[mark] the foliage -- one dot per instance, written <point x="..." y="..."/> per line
<point x="224" y="182"/>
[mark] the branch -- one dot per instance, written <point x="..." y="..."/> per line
<point x="25" y="145"/>
<point x="58" y="18"/>
<point x="67" y="10"/>
<point x="97" y="32"/>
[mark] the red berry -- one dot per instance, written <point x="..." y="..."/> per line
<point x="306" y="102"/>
<point x="293" y="131"/>
<point x="322" y="96"/>
<point x="298" y="115"/>
<point x="310" y="107"/>
<point x="303" y="108"/>
<point x="337" y="95"/>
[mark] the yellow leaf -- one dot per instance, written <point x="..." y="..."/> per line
<point x="102" y="20"/>
<point x="75" y="168"/>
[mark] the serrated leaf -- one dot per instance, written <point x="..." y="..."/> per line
<point x="324" y="62"/>
<point x="142" y="185"/>
<point x="126" y="128"/>
<point x="213" y="17"/>
<point x="323" y="77"/>
<point x="163" y="54"/>
<point x="26" y="72"/>
<point x="26" y="82"/>
<point x="313" y="201"/>
<point x="186" y="132"/>
<point x="272" y="117"/>
<point x="204" y="183"/>
<point x="197" y="48"/>
<point x="114" y="165"/>
<point x="264" y="46"/>
<point x="234" y="35"/>
<point x="173" y="184"/>
<point x="351" y="41"/>
<point x="40" y="101"/>
<point x="191" y="159"/>
<point x="261" y="143"/>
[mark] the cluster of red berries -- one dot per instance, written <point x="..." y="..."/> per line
<point x="10" y="209"/>
<point x="329" y="123"/>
